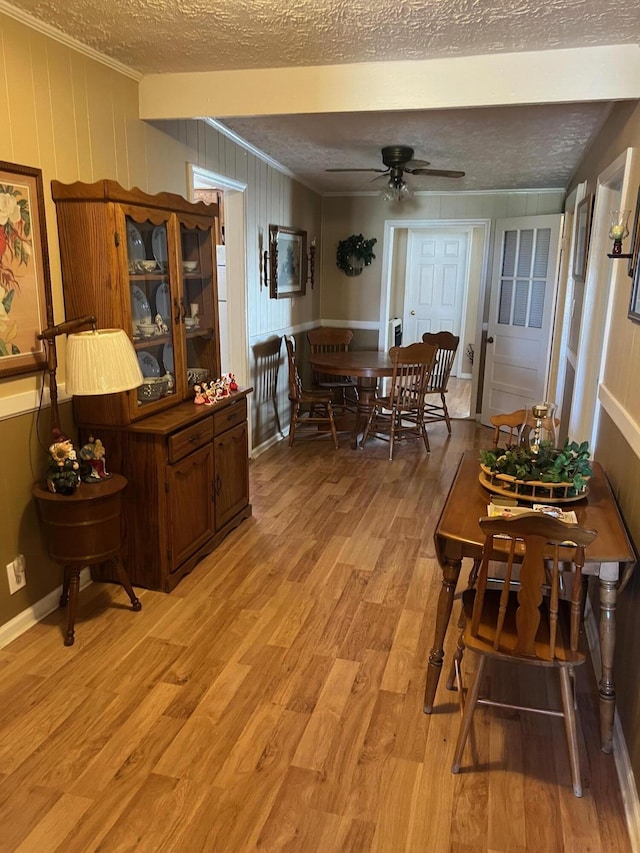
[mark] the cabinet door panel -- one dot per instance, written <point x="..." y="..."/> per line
<point x="232" y="474"/>
<point x="190" y="507"/>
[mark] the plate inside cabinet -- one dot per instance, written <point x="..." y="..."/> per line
<point x="135" y="244"/>
<point x="163" y="302"/>
<point x="140" y="308"/>
<point x="159" y="246"/>
<point x="148" y="364"/>
<point x="167" y="357"/>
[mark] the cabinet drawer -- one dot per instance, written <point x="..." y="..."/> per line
<point x="229" y="417"/>
<point x="185" y="441"/>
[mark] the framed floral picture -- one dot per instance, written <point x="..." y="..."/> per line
<point x="583" y="230"/>
<point x="288" y="262"/>
<point x="25" y="281"/>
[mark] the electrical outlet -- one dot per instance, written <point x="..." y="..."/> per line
<point x="16" y="574"/>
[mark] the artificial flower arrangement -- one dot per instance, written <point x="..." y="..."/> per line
<point x="562" y="471"/>
<point x="208" y="393"/>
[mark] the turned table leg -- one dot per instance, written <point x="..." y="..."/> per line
<point x="123" y="577"/>
<point x="72" y="583"/>
<point x="608" y="596"/>
<point x="366" y="401"/>
<point x="450" y="575"/>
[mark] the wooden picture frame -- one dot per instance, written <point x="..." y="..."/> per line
<point x="635" y="240"/>
<point x="582" y="234"/>
<point x="634" y="267"/>
<point x="287" y="262"/>
<point x="25" y="280"/>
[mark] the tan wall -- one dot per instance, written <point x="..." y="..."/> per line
<point x="76" y="119"/>
<point x="358" y="299"/>
<point x="612" y="449"/>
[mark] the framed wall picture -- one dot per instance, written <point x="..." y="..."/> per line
<point x="583" y="230"/>
<point x="635" y="239"/>
<point x="634" y="267"/>
<point x="25" y="281"/>
<point x="288" y="262"/>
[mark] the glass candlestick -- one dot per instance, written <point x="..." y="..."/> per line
<point x="539" y="427"/>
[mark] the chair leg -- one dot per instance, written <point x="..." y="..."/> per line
<point x="457" y="660"/>
<point x="446" y="413"/>
<point x="365" y="435"/>
<point x="467" y="716"/>
<point x="571" y="730"/>
<point x="425" y="438"/>
<point x="392" y="435"/>
<point x="294" y="420"/>
<point x="332" y="423"/>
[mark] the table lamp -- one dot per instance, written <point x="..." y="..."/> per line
<point x="100" y="361"/>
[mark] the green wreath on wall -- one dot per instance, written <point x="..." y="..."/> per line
<point x="354" y="254"/>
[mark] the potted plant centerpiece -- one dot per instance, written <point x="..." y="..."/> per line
<point x="354" y="254"/>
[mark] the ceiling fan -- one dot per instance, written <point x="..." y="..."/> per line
<point x="398" y="159"/>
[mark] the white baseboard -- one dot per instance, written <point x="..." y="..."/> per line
<point x="620" y="752"/>
<point x="34" y="614"/>
<point x="262" y="448"/>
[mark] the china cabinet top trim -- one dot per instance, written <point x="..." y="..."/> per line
<point x="107" y="190"/>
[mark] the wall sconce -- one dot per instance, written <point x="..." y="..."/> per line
<point x="312" y="263"/>
<point x="618" y="231"/>
<point x="270" y="256"/>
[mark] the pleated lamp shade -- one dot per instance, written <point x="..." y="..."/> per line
<point x="102" y="361"/>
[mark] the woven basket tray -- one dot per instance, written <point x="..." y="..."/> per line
<point x="529" y="490"/>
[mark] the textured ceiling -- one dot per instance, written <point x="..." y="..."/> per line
<point x="208" y="35"/>
<point x="497" y="148"/>
<point x="504" y="147"/>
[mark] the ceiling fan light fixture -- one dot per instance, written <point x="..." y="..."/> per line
<point x="397" y="189"/>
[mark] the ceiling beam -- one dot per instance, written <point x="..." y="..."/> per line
<point x="606" y="73"/>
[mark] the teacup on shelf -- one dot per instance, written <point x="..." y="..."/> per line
<point x="147" y="329"/>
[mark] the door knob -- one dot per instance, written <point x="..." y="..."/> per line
<point x="490" y="340"/>
<point x="413" y="313"/>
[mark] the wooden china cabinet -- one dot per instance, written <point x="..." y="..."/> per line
<point x="147" y="264"/>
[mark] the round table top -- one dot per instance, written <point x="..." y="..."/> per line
<point x="358" y="363"/>
<point x="85" y="491"/>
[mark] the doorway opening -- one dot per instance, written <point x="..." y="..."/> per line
<point x="209" y="187"/>
<point x="460" y="269"/>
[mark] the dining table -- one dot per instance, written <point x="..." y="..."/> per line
<point x="366" y="367"/>
<point x="610" y="557"/>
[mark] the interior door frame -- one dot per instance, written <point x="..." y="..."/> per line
<point x="390" y="227"/>
<point x="613" y="187"/>
<point x="236" y="243"/>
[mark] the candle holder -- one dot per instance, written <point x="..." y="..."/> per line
<point x="618" y="231"/>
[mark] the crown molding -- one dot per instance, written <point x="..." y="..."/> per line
<point x="57" y="35"/>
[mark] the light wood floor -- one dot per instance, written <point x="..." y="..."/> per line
<point x="273" y="701"/>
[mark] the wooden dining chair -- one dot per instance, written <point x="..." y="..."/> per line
<point x="523" y="627"/>
<point x="343" y="388"/>
<point x="308" y="408"/>
<point x="447" y="344"/>
<point x="400" y="415"/>
<point x="511" y="422"/>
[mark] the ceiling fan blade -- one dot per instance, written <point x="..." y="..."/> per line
<point x="411" y="165"/>
<point x="439" y="173"/>
<point x="356" y="170"/>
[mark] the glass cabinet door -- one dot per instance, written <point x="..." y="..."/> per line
<point x="152" y="310"/>
<point x="200" y="305"/>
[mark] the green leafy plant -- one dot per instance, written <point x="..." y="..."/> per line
<point x="355" y="247"/>
<point x="569" y="464"/>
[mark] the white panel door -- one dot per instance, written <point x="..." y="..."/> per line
<point x="521" y="312"/>
<point x="436" y="276"/>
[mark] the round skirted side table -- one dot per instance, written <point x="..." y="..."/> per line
<point x="84" y="529"/>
